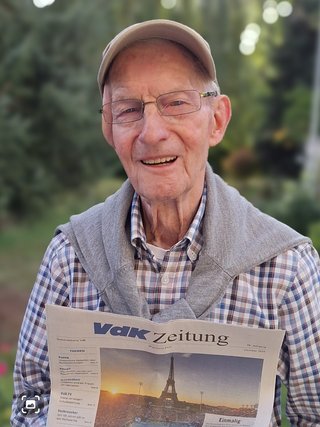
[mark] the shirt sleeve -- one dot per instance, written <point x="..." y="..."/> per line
<point x="299" y="366"/>
<point x="61" y="280"/>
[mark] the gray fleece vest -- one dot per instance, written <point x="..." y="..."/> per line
<point x="237" y="237"/>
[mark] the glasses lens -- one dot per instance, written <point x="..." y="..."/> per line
<point x="127" y="110"/>
<point x="177" y="103"/>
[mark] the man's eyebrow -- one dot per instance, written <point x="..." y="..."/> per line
<point x="119" y="95"/>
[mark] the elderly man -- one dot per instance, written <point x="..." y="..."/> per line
<point x="175" y="241"/>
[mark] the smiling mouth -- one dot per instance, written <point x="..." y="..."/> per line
<point x="161" y="161"/>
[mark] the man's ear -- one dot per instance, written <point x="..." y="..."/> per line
<point x="221" y="118"/>
<point x="106" y="127"/>
<point x="107" y="132"/>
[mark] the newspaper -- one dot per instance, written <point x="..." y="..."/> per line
<point x="123" y="371"/>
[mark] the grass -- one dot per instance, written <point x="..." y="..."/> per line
<point x="23" y="245"/>
<point x="7" y="355"/>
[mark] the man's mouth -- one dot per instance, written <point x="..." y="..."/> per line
<point x="160" y="161"/>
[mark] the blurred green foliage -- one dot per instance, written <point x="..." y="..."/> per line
<point x="49" y="122"/>
<point x="7" y="356"/>
<point x="50" y="129"/>
<point x="290" y="202"/>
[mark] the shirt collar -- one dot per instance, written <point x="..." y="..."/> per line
<point x="192" y="241"/>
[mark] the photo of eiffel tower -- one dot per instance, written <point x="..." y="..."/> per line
<point x="169" y="393"/>
<point x="164" y="393"/>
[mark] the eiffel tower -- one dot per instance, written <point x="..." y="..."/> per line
<point x="169" y="393"/>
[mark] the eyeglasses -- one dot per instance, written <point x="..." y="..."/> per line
<point x="169" y="104"/>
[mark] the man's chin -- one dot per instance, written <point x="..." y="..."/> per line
<point x="159" y="193"/>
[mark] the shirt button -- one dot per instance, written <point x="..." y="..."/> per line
<point x="192" y="255"/>
<point x="165" y="279"/>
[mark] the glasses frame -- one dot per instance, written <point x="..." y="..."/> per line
<point x="205" y="94"/>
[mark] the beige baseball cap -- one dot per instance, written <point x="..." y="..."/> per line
<point x="157" y="28"/>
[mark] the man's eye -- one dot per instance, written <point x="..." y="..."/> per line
<point x="176" y="103"/>
<point x="125" y="111"/>
<point x="129" y="110"/>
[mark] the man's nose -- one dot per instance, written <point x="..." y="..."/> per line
<point x="153" y="124"/>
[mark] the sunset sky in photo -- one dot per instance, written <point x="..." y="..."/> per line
<point x="228" y="381"/>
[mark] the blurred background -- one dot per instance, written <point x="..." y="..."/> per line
<point x="54" y="161"/>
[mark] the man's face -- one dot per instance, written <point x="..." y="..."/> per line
<point x="164" y="157"/>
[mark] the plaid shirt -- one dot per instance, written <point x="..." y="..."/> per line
<point x="283" y="292"/>
<point x="163" y="283"/>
